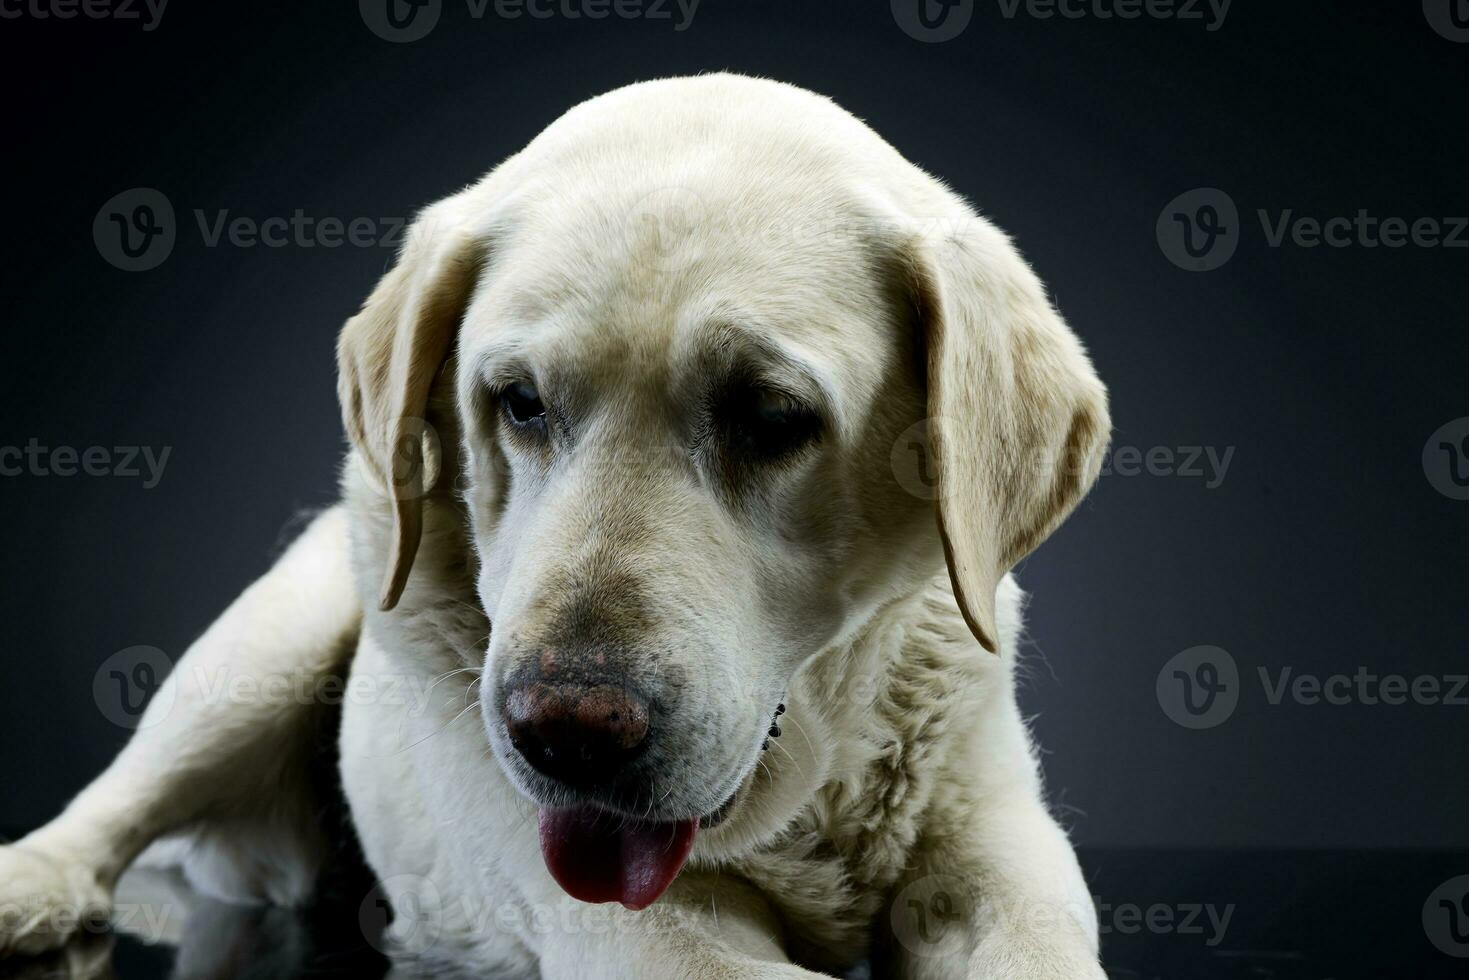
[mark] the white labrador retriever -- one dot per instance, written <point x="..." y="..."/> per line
<point x="650" y="398"/>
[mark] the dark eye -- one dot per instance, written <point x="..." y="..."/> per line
<point x="522" y="403"/>
<point x="768" y="423"/>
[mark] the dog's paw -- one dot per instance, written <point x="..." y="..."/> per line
<point x="45" y="901"/>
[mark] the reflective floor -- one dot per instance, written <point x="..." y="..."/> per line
<point x="1181" y="915"/>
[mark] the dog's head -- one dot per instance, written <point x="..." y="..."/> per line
<point x="692" y="322"/>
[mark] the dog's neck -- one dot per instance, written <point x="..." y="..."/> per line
<point x="876" y="662"/>
<point x="872" y="720"/>
<point x="866" y="712"/>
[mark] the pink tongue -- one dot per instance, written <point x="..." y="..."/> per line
<point x="602" y="857"/>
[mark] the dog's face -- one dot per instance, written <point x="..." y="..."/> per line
<point x="680" y="476"/>
<point x="694" y="320"/>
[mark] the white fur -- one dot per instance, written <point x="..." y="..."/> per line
<point x="905" y="786"/>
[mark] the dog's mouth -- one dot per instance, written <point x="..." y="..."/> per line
<point x="716" y="816"/>
<point x="597" y="855"/>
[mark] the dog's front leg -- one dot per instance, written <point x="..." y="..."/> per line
<point x="202" y="751"/>
<point x="707" y="927"/>
<point x="996" y="894"/>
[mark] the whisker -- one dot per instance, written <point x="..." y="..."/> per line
<point x="445" y="676"/>
<point x="441" y="730"/>
<point x="775" y="743"/>
<point x="479" y="678"/>
<point x="472" y="607"/>
<point x="652" y="799"/>
<point x="792" y="719"/>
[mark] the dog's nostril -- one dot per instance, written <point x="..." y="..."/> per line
<point x="582" y="735"/>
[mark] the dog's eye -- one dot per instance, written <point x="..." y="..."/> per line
<point x="768" y="423"/>
<point x="522" y="403"/>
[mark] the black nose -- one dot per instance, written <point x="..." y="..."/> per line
<point x="583" y="735"/>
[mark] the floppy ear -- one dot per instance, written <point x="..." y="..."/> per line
<point x="388" y="357"/>
<point x="1017" y="416"/>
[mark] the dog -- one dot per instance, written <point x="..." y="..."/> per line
<point x="691" y="450"/>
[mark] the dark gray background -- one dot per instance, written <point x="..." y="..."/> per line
<point x="1325" y="549"/>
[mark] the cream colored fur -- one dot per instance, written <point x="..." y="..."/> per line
<point x="642" y="238"/>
